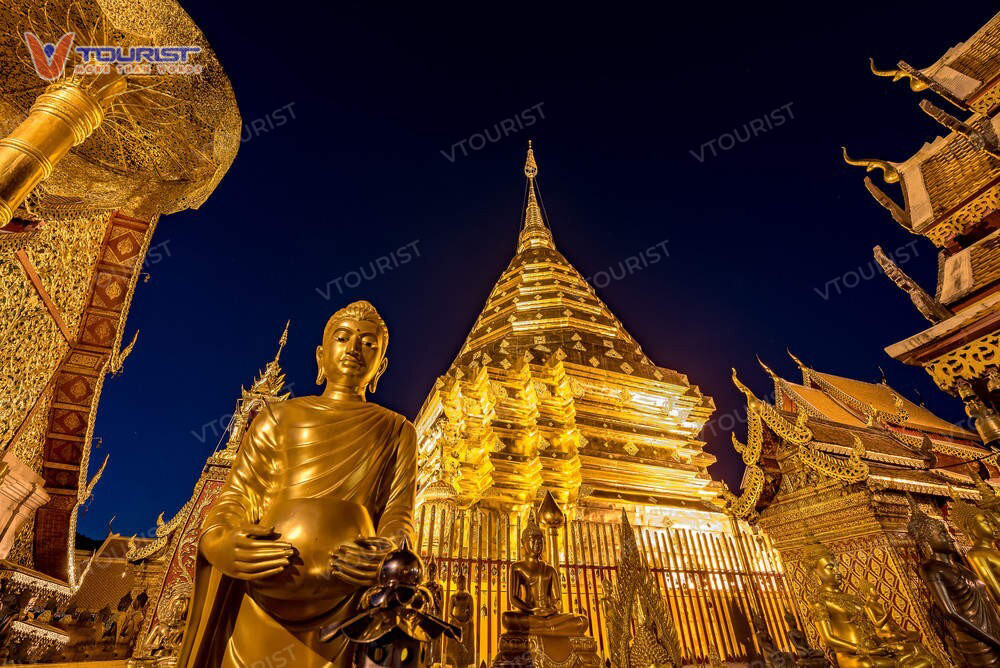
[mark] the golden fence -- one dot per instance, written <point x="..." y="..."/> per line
<point x="701" y="575"/>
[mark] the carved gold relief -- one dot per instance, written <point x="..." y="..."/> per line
<point x="970" y="362"/>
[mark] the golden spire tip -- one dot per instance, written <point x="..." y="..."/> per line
<point x="530" y="167"/>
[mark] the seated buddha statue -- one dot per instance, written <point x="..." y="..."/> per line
<point x="980" y="526"/>
<point x="535" y="593"/>
<point x="843" y="623"/>
<point x="906" y="644"/>
<point x="322" y="488"/>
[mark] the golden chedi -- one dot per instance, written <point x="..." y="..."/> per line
<point x="962" y="600"/>
<point x="322" y="489"/>
<point x="981" y="527"/>
<point x="844" y="625"/>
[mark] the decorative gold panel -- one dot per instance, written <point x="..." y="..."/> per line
<point x="969" y="362"/>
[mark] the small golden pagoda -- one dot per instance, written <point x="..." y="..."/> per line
<point x="551" y="398"/>
<point x="836" y="457"/>
<point x="176" y="541"/>
<point x="951" y="196"/>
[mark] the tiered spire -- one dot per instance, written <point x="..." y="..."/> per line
<point x="534" y="233"/>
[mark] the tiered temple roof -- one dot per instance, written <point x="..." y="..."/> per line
<point x="550" y="390"/>
<point x="951" y="195"/>
<point x="952" y="184"/>
<point x="831" y="428"/>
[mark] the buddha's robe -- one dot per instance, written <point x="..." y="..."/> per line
<point x="303" y="448"/>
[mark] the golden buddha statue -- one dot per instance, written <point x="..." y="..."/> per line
<point x="462" y="652"/>
<point x="321" y="490"/>
<point x="981" y="528"/>
<point x="906" y="644"/>
<point x="538" y="633"/>
<point x="961" y="598"/>
<point x="844" y="624"/>
<point x="535" y="593"/>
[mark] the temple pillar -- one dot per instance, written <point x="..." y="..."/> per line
<point x="21" y="494"/>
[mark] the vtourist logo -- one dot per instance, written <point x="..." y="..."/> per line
<point x="49" y="59"/>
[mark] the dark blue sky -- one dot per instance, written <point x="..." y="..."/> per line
<point x="757" y="235"/>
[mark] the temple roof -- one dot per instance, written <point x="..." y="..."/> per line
<point x="542" y="306"/>
<point x="950" y="185"/>
<point x="883" y="398"/>
<point x="970" y="68"/>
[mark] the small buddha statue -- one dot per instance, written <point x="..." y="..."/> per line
<point x="964" y="602"/>
<point x="322" y="489"/>
<point x="164" y="639"/>
<point x="535" y="593"/>
<point x="435" y="607"/>
<point x="843" y="622"/>
<point x="461" y="652"/>
<point x="906" y="644"/>
<point x="805" y="654"/>
<point x="981" y="528"/>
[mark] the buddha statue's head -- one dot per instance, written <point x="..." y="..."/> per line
<point x="178" y="609"/>
<point x="461" y="582"/>
<point x="930" y="534"/>
<point x="976" y="523"/>
<point x="351" y="358"/>
<point x="868" y="592"/>
<point x="823" y="563"/>
<point x="532" y="540"/>
<point x="432" y="570"/>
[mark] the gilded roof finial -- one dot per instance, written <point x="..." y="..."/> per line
<point x="767" y="369"/>
<point x="534" y="233"/>
<point x="530" y="168"/>
<point x="889" y="172"/>
<point x="282" y="341"/>
<point x="795" y="359"/>
<point x="916" y="85"/>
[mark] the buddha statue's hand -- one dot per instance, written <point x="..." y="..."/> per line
<point x="249" y="552"/>
<point x="357" y="563"/>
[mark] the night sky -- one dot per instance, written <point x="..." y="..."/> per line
<point x="769" y="242"/>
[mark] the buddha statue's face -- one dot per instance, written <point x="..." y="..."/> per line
<point x="826" y="571"/>
<point x="179" y="608"/>
<point x="937" y="538"/>
<point x="461" y="582"/>
<point x="982" y="527"/>
<point x="352" y="355"/>
<point x="533" y="544"/>
<point x="432" y="570"/>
